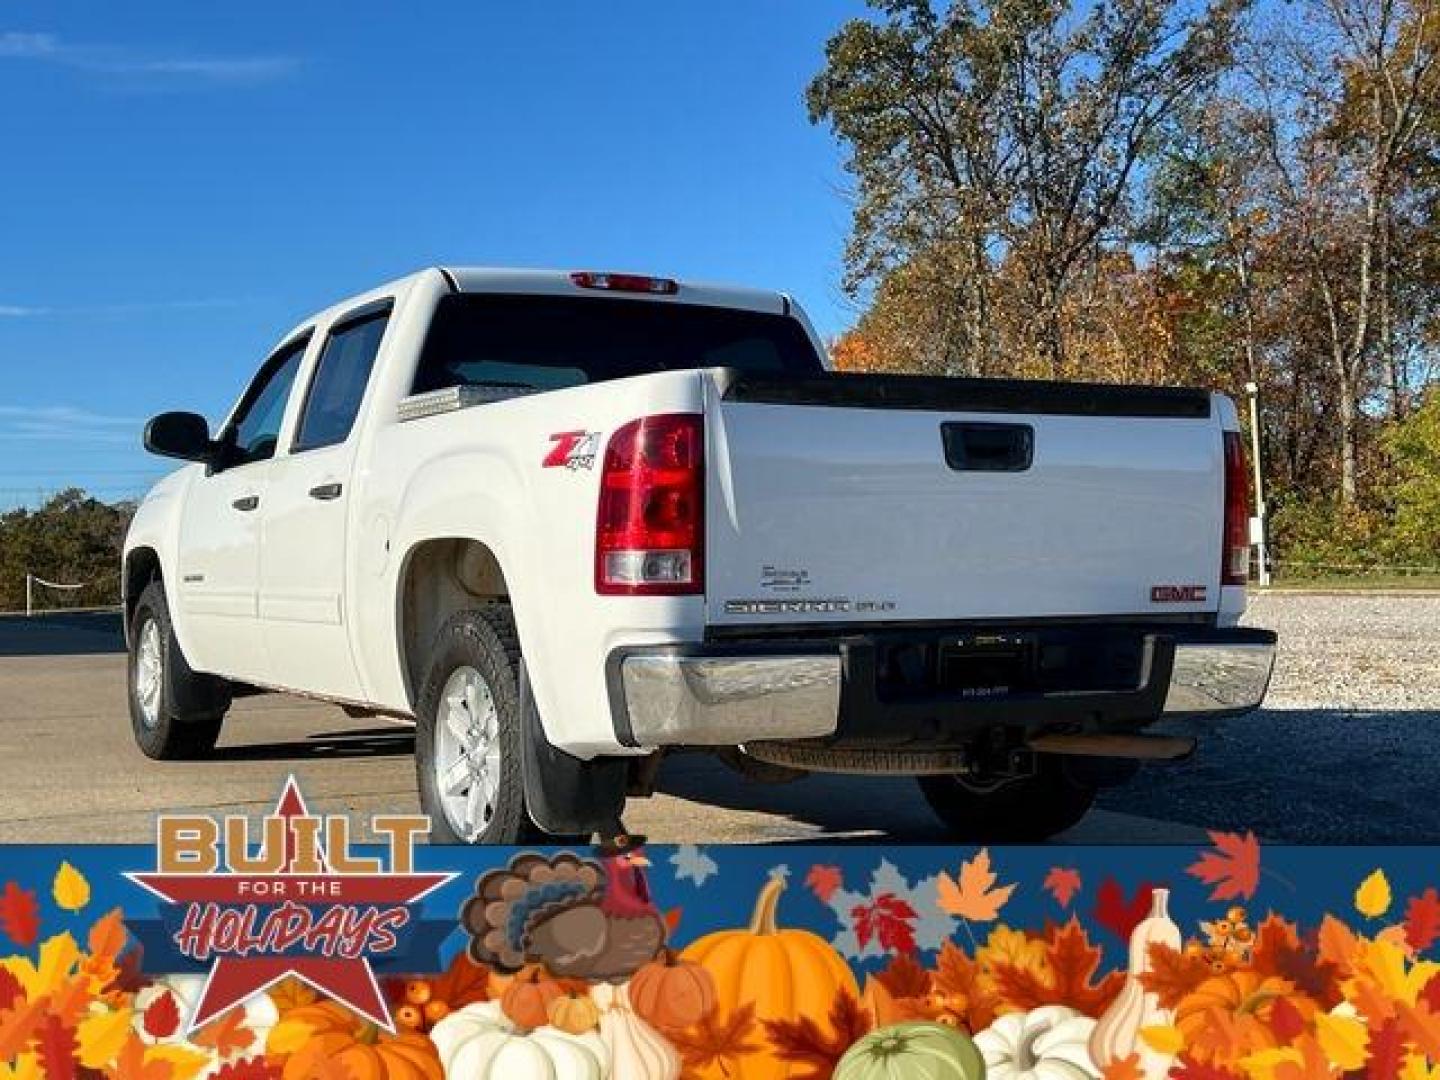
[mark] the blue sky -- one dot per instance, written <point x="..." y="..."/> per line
<point x="180" y="183"/>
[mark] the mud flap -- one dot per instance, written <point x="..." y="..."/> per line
<point x="565" y="795"/>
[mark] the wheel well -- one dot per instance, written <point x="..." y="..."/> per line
<point x="142" y="566"/>
<point x="441" y="578"/>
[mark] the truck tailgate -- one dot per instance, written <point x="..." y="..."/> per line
<point x="891" y="499"/>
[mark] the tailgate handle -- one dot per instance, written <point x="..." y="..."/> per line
<point x="986" y="447"/>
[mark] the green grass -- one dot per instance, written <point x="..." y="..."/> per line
<point x="1377" y="582"/>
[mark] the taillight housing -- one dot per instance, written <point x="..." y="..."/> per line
<point x="650" y="526"/>
<point x="636" y="283"/>
<point x="1235" y="542"/>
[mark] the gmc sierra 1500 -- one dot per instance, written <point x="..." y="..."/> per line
<point x="569" y="522"/>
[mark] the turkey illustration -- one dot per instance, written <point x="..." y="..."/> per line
<point x="580" y="918"/>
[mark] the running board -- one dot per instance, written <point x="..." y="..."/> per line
<point x="1136" y="747"/>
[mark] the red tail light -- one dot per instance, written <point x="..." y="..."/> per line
<point x="1235" y="552"/>
<point x="650" y="528"/>
<point x="592" y="279"/>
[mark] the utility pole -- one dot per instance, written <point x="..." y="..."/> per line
<point x="1257" y="523"/>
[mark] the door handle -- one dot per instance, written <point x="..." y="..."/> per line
<point x="249" y="502"/>
<point x="326" y="492"/>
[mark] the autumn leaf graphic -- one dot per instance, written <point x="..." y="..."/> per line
<point x="824" y="881"/>
<point x="1233" y="867"/>
<point x="1117" y="914"/>
<point x="1422" y="920"/>
<point x="71" y="890"/>
<point x="19" y="915"/>
<point x="1062" y="883"/>
<point x="889" y="920"/>
<point x="974" y="895"/>
<point x="1373" y="897"/>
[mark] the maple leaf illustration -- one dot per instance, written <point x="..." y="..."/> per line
<point x="713" y="1043"/>
<point x="803" y="1042"/>
<point x="931" y="926"/>
<point x="974" y="895"/>
<point x="888" y="920"/>
<point x="1062" y="882"/>
<point x="1173" y="974"/>
<point x="1233" y="867"/>
<point x="692" y="864"/>
<point x="1117" y="914"/>
<point x="824" y="881"/>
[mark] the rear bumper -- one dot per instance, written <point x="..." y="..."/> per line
<point x="838" y="692"/>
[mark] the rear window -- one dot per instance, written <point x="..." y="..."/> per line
<point x="551" y="342"/>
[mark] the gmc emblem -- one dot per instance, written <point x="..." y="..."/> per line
<point x="1177" y="594"/>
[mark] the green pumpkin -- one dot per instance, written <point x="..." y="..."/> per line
<point x="920" y="1051"/>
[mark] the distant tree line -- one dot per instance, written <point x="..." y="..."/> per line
<point x="71" y="539"/>
<point x="1170" y="191"/>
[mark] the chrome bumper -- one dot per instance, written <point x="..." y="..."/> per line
<point x="674" y="700"/>
<point x="1218" y="678"/>
<point x="670" y="698"/>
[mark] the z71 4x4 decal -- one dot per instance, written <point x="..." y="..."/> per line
<point x="572" y="450"/>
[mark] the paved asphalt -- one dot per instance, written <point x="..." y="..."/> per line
<point x="69" y="771"/>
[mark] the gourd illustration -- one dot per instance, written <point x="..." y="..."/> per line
<point x="919" y="1049"/>
<point x="672" y="993"/>
<point x="480" y="1043"/>
<point x="526" y="1001"/>
<point x="574" y="1012"/>
<point x="1117" y="1035"/>
<point x="784" y="974"/>
<point x="1048" y="1043"/>
<point x="637" y="1050"/>
<point x="328" y="1031"/>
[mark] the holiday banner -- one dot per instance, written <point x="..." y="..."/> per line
<point x="293" y="953"/>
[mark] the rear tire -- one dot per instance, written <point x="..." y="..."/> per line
<point x="175" y="712"/>
<point x="1035" y="808"/>
<point x="468" y="733"/>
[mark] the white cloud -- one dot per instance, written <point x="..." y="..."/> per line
<point x="28" y="46"/>
<point x="65" y="422"/>
<point x="31" y="311"/>
<point x="118" y="60"/>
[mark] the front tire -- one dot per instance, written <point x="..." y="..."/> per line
<point x="176" y="713"/>
<point x="468" y="733"/>
<point x="1034" y="808"/>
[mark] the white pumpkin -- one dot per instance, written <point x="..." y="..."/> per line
<point x="1048" y="1043"/>
<point x="260" y="1016"/>
<point x="637" y="1050"/>
<point x="479" y="1042"/>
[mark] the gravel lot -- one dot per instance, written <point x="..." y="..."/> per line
<point x="1347" y="749"/>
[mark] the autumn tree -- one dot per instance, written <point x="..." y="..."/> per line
<point x="1005" y="135"/>
<point x="1344" y="105"/>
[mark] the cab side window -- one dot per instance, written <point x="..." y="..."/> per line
<point x="255" y="431"/>
<point x="341" y="376"/>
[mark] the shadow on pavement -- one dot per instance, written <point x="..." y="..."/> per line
<point x="62" y="634"/>
<point x="327" y="745"/>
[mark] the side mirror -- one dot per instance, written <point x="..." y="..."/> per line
<point x="183" y="435"/>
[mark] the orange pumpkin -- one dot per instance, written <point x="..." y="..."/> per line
<point x="672" y="993"/>
<point x="1245" y="998"/>
<point x="574" y="1013"/>
<point x="785" y="974"/>
<point x="326" y="1032"/>
<point x="527" y="999"/>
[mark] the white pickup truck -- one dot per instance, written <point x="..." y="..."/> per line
<point x="571" y="522"/>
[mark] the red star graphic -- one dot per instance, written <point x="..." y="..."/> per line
<point x="233" y="979"/>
